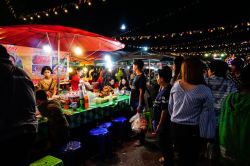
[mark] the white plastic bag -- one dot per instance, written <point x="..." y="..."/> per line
<point x="138" y="123"/>
<point x="134" y="117"/>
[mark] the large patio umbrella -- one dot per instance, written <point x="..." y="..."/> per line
<point x="60" y="38"/>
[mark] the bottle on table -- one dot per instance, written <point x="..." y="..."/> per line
<point x="86" y="101"/>
<point x="110" y="97"/>
<point x="81" y="97"/>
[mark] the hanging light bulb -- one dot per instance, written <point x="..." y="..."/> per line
<point x="47" y="48"/>
<point x="70" y="70"/>
<point x="78" y="51"/>
<point x="206" y="55"/>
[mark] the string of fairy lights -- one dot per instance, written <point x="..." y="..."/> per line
<point x="233" y="48"/>
<point x="205" y="42"/>
<point x="158" y="19"/>
<point x="10" y="7"/>
<point x="202" y="45"/>
<point x="243" y="44"/>
<point x="242" y="27"/>
<point x="206" y="54"/>
<point x="53" y="11"/>
<point x="64" y="8"/>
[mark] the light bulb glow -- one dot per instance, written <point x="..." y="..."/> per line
<point x="107" y="57"/>
<point x="85" y="69"/>
<point x="145" y="48"/>
<point x="70" y="70"/>
<point x="78" y="51"/>
<point x="222" y="55"/>
<point x="109" y="65"/>
<point x="123" y="27"/>
<point x="47" y="48"/>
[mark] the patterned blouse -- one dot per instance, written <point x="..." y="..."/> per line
<point x="193" y="107"/>
<point x="48" y="87"/>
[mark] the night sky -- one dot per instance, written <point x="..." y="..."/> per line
<point x="106" y="17"/>
<point x="142" y="17"/>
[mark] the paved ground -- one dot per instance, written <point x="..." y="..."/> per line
<point x="129" y="155"/>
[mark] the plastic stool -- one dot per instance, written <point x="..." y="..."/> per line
<point x="120" y="128"/>
<point x="109" y="127"/>
<point x="102" y="135"/>
<point x="119" y="120"/>
<point x="148" y="116"/>
<point x="106" y="125"/>
<point x="69" y="152"/>
<point x="48" y="161"/>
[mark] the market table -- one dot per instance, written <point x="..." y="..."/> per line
<point x="96" y="111"/>
<point x="83" y="116"/>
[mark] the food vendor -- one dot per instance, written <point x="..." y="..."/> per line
<point x="48" y="83"/>
<point x="75" y="79"/>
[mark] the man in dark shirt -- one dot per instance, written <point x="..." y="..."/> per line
<point x="18" y="124"/>
<point x="57" y="123"/>
<point x="137" y="94"/>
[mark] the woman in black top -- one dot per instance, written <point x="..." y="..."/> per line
<point x="123" y="84"/>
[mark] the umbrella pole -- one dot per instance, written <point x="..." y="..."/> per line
<point x="67" y="73"/>
<point x="58" y="63"/>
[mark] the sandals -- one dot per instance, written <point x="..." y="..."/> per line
<point x="161" y="159"/>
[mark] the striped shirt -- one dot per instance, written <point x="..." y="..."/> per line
<point x="235" y="79"/>
<point x="220" y="87"/>
<point x="193" y="107"/>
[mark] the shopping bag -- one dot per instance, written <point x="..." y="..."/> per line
<point x="138" y="123"/>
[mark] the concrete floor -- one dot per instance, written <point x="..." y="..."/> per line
<point x="129" y="155"/>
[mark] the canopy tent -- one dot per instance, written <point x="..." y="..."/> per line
<point x="59" y="38"/>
